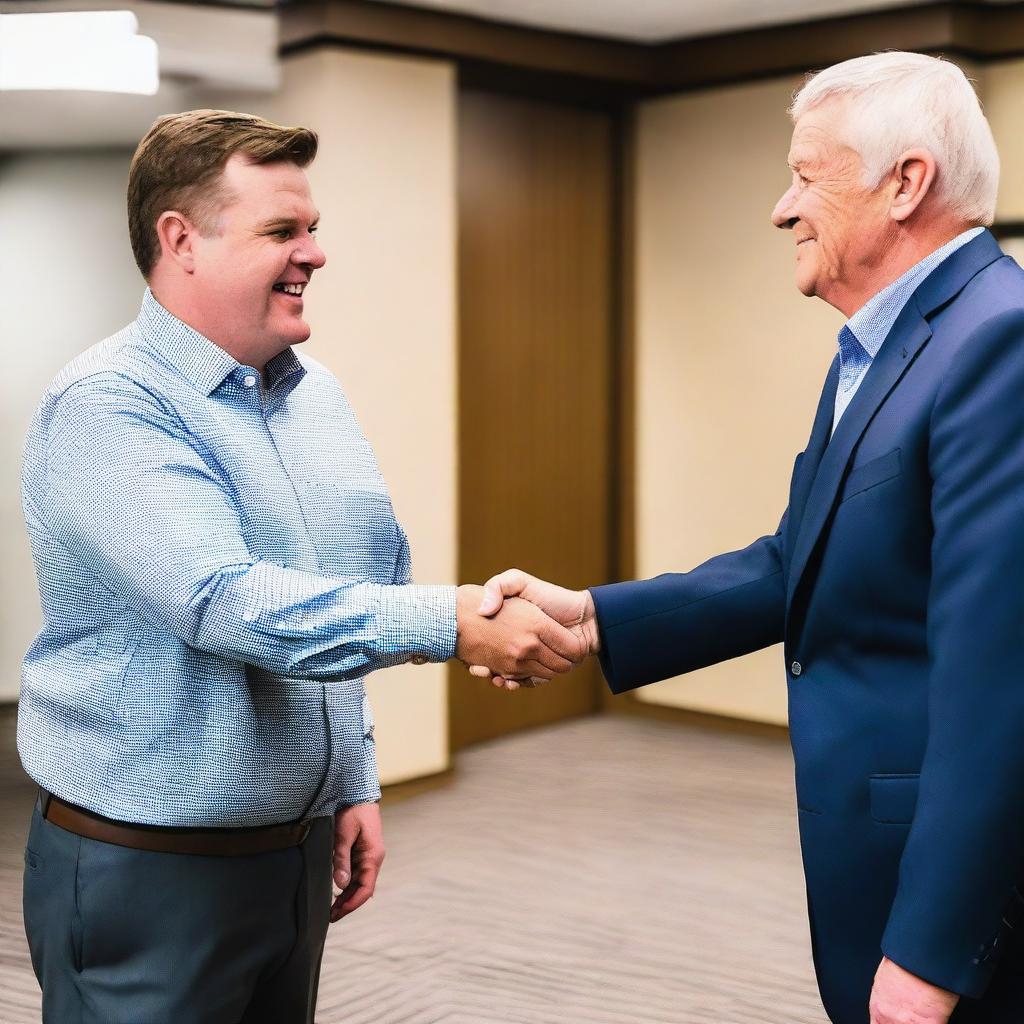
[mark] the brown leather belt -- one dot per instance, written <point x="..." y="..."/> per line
<point x="204" y="842"/>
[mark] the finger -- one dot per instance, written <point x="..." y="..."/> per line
<point x="481" y="671"/>
<point x="562" y="641"/>
<point x="516" y="670"/>
<point x="537" y="669"/>
<point x="343" y="841"/>
<point x="353" y="897"/>
<point x="511" y="684"/>
<point x="350" y="899"/>
<point x="553" y="661"/>
<point x="497" y="588"/>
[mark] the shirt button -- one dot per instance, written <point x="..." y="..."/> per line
<point x="419" y="659"/>
<point x="796" y="668"/>
<point x="250" y="381"/>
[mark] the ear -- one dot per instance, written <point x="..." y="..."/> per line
<point x="177" y="236"/>
<point x="915" y="172"/>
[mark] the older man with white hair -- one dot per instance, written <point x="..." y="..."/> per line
<point x="896" y="578"/>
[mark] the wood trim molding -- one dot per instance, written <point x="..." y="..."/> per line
<point x="396" y="792"/>
<point x="460" y="37"/>
<point x="620" y="70"/>
<point x="683" y="716"/>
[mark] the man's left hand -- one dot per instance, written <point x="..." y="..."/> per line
<point x="899" y="997"/>
<point x="358" y="855"/>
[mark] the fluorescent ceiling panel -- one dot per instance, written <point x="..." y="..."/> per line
<point x="97" y="51"/>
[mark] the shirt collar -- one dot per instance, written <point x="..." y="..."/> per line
<point x="200" y="360"/>
<point x="871" y="324"/>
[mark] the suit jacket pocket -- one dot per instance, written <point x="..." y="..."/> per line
<point x="893" y="798"/>
<point x="871" y="474"/>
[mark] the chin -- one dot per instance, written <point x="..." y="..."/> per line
<point x="806" y="285"/>
<point x="296" y="333"/>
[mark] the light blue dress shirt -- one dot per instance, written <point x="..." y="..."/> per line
<point x="865" y="331"/>
<point x="218" y="569"/>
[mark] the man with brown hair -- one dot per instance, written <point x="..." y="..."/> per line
<point x="219" y="567"/>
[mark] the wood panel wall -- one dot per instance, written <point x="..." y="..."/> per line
<point x="536" y="335"/>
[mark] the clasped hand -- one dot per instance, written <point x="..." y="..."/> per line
<point x="521" y="631"/>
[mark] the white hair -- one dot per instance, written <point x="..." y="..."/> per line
<point x="900" y="101"/>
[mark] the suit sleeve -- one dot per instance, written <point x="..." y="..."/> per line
<point x="655" y="629"/>
<point x="958" y="897"/>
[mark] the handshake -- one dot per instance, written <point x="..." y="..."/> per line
<point x="521" y="631"/>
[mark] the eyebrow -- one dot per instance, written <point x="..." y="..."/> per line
<point x="287" y="222"/>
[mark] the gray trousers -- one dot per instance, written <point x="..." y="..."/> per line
<point x="122" y="936"/>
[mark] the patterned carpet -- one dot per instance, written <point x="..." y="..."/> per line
<point x="606" y="870"/>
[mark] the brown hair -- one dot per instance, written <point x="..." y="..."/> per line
<point x="178" y="163"/>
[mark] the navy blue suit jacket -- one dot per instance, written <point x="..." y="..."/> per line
<point x="896" y="583"/>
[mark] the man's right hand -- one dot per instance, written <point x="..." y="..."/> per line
<point x="574" y="609"/>
<point x="520" y="641"/>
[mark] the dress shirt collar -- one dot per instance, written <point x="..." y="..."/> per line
<point x="201" y="361"/>
<point x="871" y="324"/>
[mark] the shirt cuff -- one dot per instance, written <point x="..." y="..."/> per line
<point x="418" y="621"/>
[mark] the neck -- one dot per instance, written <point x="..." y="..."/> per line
<point x="890" y="261"/>
<point x="221" y="330"/>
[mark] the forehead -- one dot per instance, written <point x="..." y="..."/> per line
<point x="277" y="187"/>
<point x="818" y="135"/>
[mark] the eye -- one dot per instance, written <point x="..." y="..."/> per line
<point x="283" y="233"/>
<point x="313" y="230"/>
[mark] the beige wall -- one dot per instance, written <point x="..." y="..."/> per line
<point x="730" y="357"/>
<point x="382" y="312"/>
<point x="1002" y="91"/>
<point x="383" y="319"/>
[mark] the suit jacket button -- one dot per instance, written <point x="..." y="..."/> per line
<point x="796" y="668"/>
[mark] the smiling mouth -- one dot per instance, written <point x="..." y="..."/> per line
<point x="295" y="289"/>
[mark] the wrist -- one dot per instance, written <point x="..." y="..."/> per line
<point x="591" y="632"/>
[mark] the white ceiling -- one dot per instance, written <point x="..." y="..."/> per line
<point x="654" y="20"/>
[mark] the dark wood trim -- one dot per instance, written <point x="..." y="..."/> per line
<point x="622" y="538"/>
<point x="460" y="37"/>
<point x="777" y="50"/>
<point x="623" y="560"/>
<point x="267" y="7"/>
<point x="682" y="716"/>
<point x="399" y="791"/>
<point x="1008" y="229"/>
<point x="580" y="68"/>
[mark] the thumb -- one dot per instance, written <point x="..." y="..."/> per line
<point x="510" y="583"/>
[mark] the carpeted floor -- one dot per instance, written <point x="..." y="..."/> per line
<point x="606" y="870"/>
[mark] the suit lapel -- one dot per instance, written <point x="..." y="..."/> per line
<point x="908" y="335"/>
<point x="815" y="449"/>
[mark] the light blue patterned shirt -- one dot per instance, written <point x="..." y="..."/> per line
<point x="865" y="331"/>
<point x="218" y="568"/>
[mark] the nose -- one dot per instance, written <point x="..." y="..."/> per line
<point x="310" y="255"/>
<point x="782" y="215"/>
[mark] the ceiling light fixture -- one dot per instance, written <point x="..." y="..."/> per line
<point x="80" y="50"/>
